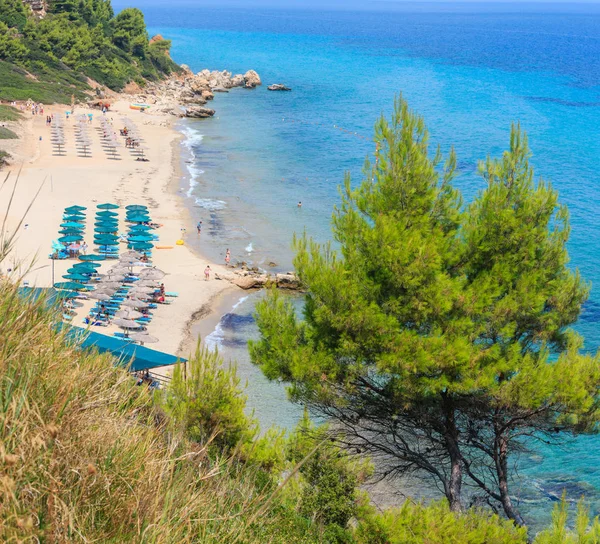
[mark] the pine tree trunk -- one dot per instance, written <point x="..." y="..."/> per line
<point x="454" y="485"/>
<point x="501" y="461"/>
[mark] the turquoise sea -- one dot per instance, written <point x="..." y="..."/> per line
<point x="470" y="70"/>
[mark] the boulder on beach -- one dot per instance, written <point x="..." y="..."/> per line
<point x="287" y="281"/>
<point x="278" y="87"/>
<point x="251" y="79"/>
<point x="198" y="112"/>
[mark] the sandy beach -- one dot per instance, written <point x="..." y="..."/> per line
<point x="72" y="179"/>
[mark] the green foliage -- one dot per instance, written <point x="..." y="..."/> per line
<point x="205" y="399"/>
<point x="80" y="38"/>
<point x="4" y="157"/>
<point x="7" y="134"/>
<point x="438" y="334"/>
<point x="51" y="86"/>
<point x="8" y="113"/>
<point x="559" y="532"/>
<point x="436" y="524"/>
<point x="13" y="13"/>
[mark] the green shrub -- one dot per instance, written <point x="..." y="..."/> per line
<point x="8" y="113"/>
<point x="436" y="524"/>
<point x="7" y="134"/>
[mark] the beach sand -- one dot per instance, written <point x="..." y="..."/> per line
<point x="73" y="179"/>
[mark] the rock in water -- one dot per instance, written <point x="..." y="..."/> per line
<point x="198" y="112"/>
<point x="278" y="87"/>
<point x="252" y="79"/>
<point x="237" y="80"/>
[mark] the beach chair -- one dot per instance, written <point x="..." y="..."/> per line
<point x="171" y="294"/>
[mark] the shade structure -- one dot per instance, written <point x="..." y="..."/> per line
<point x="80" y="270"/>
<point x="106" y="222"/>
<point x="137" y="218"/>
<point x="74" y="213"/>
<point x="129" y="314"/>
<point x="141" y="290"/>
<point x="140" y="228"/>
<point x="75" y="208"/>
<point x="103" y="240"/>
<point x="87" y="266"/>
<point x="70" y="285"/>
<point x="107" y="229"/>
<point x="131" y="254"/>
<point x="141" y="238"/>
<point x="152" y="274"/>
<point x="143" y="338"/>
<point x="141" y="245"/>
<point x="147" y="283"/>
<point x="107" y="206"/>
<point x="100" y="296"/>
<point x="136" y="208"/>
<point x="106" y="213"/>
<point x="67" y="294"/>
<point x="126" y="323"/>
<point x="129" y="355"/>
<point x="70" y="238"/>
<point x="70" y="232"/>
<point x="108" y="284"/>
<point x="134" y="303"/>
<point x="72" y="224"/>
<point x="76" y="277"/>
<point x="118" y="270"/>
<point x="92" y="257"/>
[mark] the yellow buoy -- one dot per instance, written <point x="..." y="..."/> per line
<point x="179" y="242"/>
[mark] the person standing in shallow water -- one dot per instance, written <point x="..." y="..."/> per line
<point x="207" y="273"/>
<point x="227" y="256"/>
<point x="199" y="227"/>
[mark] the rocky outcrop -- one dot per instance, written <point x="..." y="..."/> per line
<point x="278" y="87"/>
<point x="185" y="93"/>
<point x="256" y="279"/>
<point x="251" y="79"/>
<point x="198" y="112"/>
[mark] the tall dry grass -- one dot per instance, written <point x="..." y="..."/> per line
<point x="86" y="456"/>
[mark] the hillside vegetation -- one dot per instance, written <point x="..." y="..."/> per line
<point x="50" y="59"/>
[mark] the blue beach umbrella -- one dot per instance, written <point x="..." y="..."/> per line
<point x="138" y="219"/>
<point x="140" y="228"/>
<point x="70" y="238"/>
<point x="72" y="224"/>
<point x="141" y="238"/>
<point x="105" y="230"/>
<point x="69" y="232"/>
<point x="109" y="237"/>
<point x="106" y="213"/>
<point x="80" y="270"/>
<point x="141" y="245"/>
<point x="76" y="277"/>
<point x="75" y="208"/>
<point x="113" y="224"/>
<point x="70" y="285"/>
<point x="85" y="266"/>
<point x="136" y="207"/>
<point x="107" y="206"/>
<point x="73" y="218"/>
<point x="91" y="258"/>
<point x="66" y="294"/>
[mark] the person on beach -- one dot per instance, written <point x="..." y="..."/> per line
<point x="84" y="248"/>
<point x="207" y="273"/>
<point x="144" y="258"/>
<point x="199" y="227"/>
<point x="227" y="256"/>
<point x="162" y="289"/>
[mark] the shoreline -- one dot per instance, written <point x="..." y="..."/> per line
<point x="73" y="179"/>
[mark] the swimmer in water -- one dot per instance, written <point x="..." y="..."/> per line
<point x="299" y="204"/>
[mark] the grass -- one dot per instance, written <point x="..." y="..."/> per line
<point x="7" y="134"/>
<point x="8" y="113"/>
<point x="4" y="157"/>
<point x="52" y="86"/>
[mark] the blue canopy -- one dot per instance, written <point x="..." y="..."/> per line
<point x="135" y="357"/>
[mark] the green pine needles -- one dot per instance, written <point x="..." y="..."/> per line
<point x="437" y="336"/>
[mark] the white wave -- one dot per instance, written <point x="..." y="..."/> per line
<point x="249" y="248"/>
<point x="210" y="204"/>
<point x="215" y="339"/>
<point x="192" y="137"/>
<point x="195" y="173"/>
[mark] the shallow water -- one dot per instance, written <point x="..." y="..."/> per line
<point x="470" y="72"/>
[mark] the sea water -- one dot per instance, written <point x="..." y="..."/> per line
<point x="470" y="70"/>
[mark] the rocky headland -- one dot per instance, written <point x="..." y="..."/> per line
<point x="186" y="94"/>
